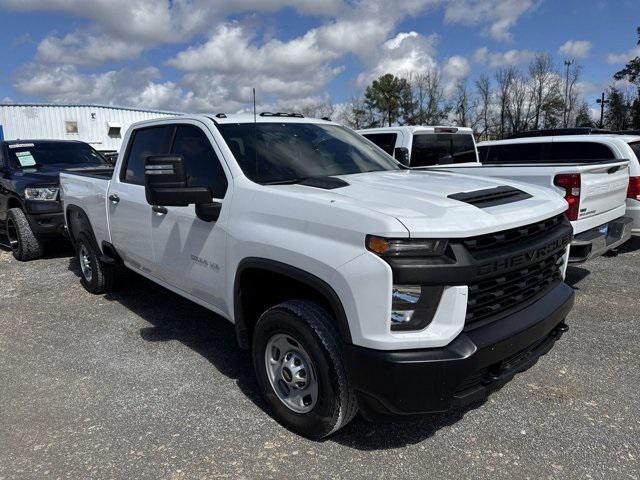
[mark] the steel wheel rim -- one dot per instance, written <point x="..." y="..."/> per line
<point x="291" y="373"/>
<point x="85" y="263"/>
<point x="12" y="235"/>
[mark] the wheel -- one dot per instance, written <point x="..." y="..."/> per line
<point x="24" y="243"/>
<point x="95" y="276"/>
<point x="298" y="362"/>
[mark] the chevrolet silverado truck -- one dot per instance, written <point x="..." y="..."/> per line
<point x="590" y="171"/>
<point x="30" y="209"/>
<point x="356" y="283"/>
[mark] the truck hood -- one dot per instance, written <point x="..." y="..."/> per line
<point x="419" y="200"/>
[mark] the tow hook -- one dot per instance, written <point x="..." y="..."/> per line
<point x="560" y="329"/>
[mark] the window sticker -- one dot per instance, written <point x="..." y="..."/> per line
<point x="21" y="145"/>
<point x="26" y="159"/>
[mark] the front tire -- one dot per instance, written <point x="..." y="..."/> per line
<point x="25" y="245"/>
<point x="95" y="276"/>
<point x="299" y="367"/>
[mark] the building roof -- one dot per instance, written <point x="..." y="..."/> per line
<point x="87" y="105"/>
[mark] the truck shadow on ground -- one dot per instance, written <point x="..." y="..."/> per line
<point x="172" y="317"/>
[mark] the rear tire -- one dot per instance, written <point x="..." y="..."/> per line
<point x="25" y="245"/>
<point x="95" y="276"/>
<point x="298" y="362"/>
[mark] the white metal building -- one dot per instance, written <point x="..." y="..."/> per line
<point x="102" y="126"/>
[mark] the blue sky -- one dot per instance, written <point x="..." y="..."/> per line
<point x="207" y="55"/>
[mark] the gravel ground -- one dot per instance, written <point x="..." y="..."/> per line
<point x="143" y="384"/>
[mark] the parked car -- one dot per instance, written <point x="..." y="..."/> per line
<point x="30" y="209"/>
<point x="590" y="171"/>
<point x="357" y="283"/>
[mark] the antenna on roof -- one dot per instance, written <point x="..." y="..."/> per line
<point x="255" y="132"/>
<point x="254" y="107"/>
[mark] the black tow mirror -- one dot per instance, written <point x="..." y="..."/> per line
<point x="165" y="183"/>
<point x="402" y="155"/>
<point x="209" y="212"/>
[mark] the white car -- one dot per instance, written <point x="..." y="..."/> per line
<point x="356" y="283"/>
<point x="590" y="171"/>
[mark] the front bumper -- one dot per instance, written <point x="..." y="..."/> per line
<point x="599" y="240"/>
<point x="479" y="359"/>
<point x="45" y="218"/>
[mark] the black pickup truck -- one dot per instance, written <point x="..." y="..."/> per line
<point x="30" y="208"/>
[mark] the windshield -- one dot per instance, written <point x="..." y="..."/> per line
<point x="271" y="153"/>
<point x="53" y="154"/>
<point x="442" y="149"/>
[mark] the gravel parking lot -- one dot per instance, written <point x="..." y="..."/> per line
<point x="145" y="384"/>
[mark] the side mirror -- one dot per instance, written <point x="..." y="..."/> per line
<point x="165" y="183"/>
<point x="209" y="212"/>
<point x="402" y="155"/>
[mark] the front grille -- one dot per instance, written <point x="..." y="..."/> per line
<point x="528" y="232"/>
<point x="495" y="295"/>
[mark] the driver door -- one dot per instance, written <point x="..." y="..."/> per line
<point x="189" y="252"/>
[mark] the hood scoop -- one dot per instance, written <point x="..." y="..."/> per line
<point x="326" y="183"/>
<point x="491" y="197"/>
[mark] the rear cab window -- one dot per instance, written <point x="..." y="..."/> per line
<point x="545" y="152"/>
<point x="386" y="141"/>
<point x="442" y="149"/>
<point x="635" y="146"/>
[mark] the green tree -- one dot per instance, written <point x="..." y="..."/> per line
<point x="388" y="95"/>
<point x="616" y="116"/>
<point x="583" y="116"/>
<point x="631" y="71"/>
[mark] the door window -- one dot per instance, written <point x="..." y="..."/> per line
<point x="144" y="142"/>
<point x="200" y="161"/>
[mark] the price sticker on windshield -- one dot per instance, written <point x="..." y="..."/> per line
<point x="26" y="159"/>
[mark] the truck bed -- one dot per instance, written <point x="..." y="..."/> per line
<point x="603" y="184"/>
<point x="87" y="189"/>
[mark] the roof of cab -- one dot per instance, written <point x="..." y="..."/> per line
<point x="414" y="129"/>
<point x="601" y="138"/>
<point x="228" y="118"/>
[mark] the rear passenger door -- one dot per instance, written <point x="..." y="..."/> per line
<point x="189" y="252"/>
<point x="129" y="213"/>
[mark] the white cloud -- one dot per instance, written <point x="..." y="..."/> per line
<point x="403" y="54"/>
<point x="86" y="48"/>
<point x="624" y="57"/>
<point x="161" y="21"/>
<point x="499" y="15"/>
<point x="575" y="48"/>
<point x="503" y="59"/>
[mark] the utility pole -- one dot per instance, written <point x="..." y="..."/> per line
<point x="568" y="64"/>
<point x="602" y="103"/>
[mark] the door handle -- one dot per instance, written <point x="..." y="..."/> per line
<point x="113" y="198"/>
<point x="159" y="210"/>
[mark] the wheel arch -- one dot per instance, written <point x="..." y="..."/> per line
<point x="284" y="282"/>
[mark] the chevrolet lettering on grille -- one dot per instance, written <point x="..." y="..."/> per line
<point x="523" y="258"/>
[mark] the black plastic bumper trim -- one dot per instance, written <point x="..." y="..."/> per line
<point x="434" y="380"/>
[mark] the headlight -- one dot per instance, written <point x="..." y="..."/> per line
<point x="413" y="306"/>
<point x="48" y="194"/>
<point x="405" y="247"/>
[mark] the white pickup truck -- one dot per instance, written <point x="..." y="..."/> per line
<point x="590" y="171"/>
<point x="356" y="283"/>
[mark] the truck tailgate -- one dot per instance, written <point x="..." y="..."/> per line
<point x="603" y="188"/>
